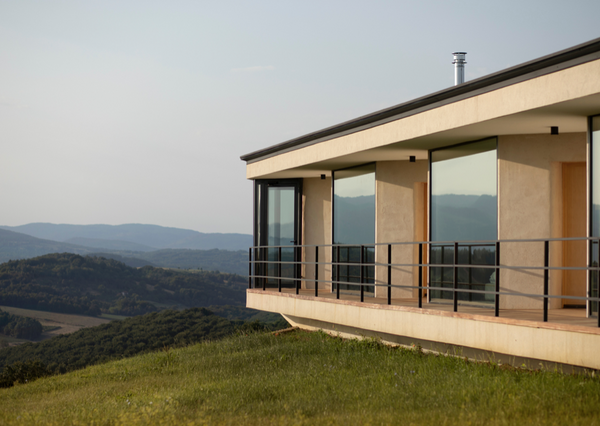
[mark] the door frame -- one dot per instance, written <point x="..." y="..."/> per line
<point x="261" y="209"/>
<point x="568" y="247"/>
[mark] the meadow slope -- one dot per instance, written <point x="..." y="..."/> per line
<point x="301" y="378"/>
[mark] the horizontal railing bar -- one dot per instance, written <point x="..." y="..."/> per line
<point x="349" y="277"/>
<point x="435" y="265"/>
<point x="451" y="290"/>
<point x="432" y="288"/>
<point x="436" y="243"/>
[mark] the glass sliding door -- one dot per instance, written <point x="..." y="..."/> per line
<point x="464" y="209"/>
<point x="280" y="234"/>
<point x="594" y="255"/>
<point x="277" y="231"/>
<point x="354" y="228"/>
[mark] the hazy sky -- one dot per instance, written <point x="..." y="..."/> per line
<point x="137" y="112"/>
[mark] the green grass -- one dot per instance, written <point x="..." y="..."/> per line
<point x="302" y="378"/>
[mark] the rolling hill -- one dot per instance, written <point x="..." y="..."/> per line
<point x="152" y="237"/>
<point x="15" y="246"/>
<point x="69" y="283"/>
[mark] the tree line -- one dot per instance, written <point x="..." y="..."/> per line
<point x="18" y="326"/>
<point x="69" y="283"/>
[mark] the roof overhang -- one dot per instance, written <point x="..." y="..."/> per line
<point x="561" y="90"/>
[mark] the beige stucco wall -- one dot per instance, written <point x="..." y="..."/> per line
<point x="399" y="217"/>
<point x="529" y="203"/>
<point x="316" y="229"/>
<point x="530" y="206"/>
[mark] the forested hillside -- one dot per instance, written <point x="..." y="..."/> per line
<point x="232" y="313"/>
<point x="235" y="262"/>
<point x="70" y="283"/>
<point x="119" y="339"/>
<point x="18" y="326"/>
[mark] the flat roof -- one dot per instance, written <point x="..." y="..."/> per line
<point x="554" y="62"/>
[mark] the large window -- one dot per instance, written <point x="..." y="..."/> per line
<point x="594" y="133"/>
<point x="354" y="226"/>
<point x="464" y="210"/>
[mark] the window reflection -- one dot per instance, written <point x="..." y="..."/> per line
<point x="464" y="208"/>
<point x="595" y="207"/>
<point x="595" y="135"/>
<point x="354" y="226"/>
<point x="354" y="205"/>
<point x="463" y="192"/>
<point x="280" y="232"/>
<point x="281" y="216"/>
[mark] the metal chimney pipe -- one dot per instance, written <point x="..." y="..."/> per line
<point x="459" y="67"/>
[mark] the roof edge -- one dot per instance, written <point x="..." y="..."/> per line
<point x="527" y="70"/>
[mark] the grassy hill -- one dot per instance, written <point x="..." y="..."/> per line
<point x="70" y="283"/>
<point x="118" y="339"/>
<point x="301" y="378"/>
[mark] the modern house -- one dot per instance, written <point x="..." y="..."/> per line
<point x="465" y="219"/>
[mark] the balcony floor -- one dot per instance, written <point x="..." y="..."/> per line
<point x="565" y="318"/>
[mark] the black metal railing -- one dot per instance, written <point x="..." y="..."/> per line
<point x="463" y="272"/>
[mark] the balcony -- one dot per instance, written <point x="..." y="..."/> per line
<point x="512" y="297"/>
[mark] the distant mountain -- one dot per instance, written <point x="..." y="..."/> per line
<point x="158" y="237"/>
<point x="14" y="245"/>
<point x="351" y="211"/>
<point x="456" y="217"/>
<point x="109" y="244"/>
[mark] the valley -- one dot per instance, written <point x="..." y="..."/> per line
<point x="54" y="323"/>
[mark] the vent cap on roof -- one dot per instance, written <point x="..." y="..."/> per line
<point x="459" y="67"/>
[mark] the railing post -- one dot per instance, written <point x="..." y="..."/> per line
<point x="420" y="292"/>
<point x="297" y="268"/>
<point x="250" y="267"/>
<point x="455" y="280"/>
<point x="597" y="284"/>
<point x="497" y="295"/>
<point x="389" y="271"/>
<point x="546" y="258"/>
<point x="316" y="271"/>
<point x="593" y="280"/>
<point x="265" y="270"/>
<point x="279" y="270"/>
<point x="362" y="270"/>
<point x="337" y="267"/>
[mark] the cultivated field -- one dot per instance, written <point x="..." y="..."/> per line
<point x="66" y="323"/>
